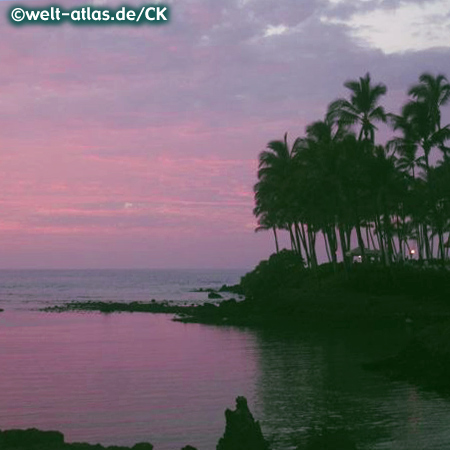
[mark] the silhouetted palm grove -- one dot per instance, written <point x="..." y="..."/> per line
<point x="338" y="185"/>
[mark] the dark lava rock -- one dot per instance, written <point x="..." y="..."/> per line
<point x="242" y="432"/>
<point x="33" y="439"/>
<point x="235" y="289"/>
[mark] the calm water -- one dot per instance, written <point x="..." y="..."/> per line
<point x="124" y="378"/>
<point x="25" y="289"/>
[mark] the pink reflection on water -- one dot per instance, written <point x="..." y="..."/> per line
<point x="122" y="378"/>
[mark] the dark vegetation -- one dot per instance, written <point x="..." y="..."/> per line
<point x="338" y="185"/>
<point x="393" y="200"/>
<point x="285" y="271"/>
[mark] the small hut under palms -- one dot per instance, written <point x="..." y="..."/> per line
<point x="371" y="255"/>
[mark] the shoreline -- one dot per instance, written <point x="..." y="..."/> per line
<point x="338" y="306"/>
<point x="427" y="319"/>
<point x="242" y="432"/>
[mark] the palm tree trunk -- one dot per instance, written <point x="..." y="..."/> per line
<point x="419" y="242"/>
<point x="297" y="238"/>
<point x="426" y="241"/>
<point x="332" y="239"/>
<point x="348" y="235"/>
<point x="291" y="234"/>
<point x="312" y="246"/>
<point x="344" y="249"/>
<point x="441" y="245"/>
<point x="388" y="235"/>
<point x="380" y="237"/>
<point x="327" y="247"/>
<point x="305" y="245"/>
<point x="360" y="242"/>
<point x="276" y="238"/>
<point x="371" y="238"/>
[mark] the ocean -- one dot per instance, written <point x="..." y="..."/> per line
<point x="122" y="378"/>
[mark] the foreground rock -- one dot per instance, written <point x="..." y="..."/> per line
<point x="33" y="439"/>
<point x="242" y="432"/>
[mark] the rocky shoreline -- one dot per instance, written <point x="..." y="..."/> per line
<point x="294" y="307"/>
<point x="242" y="432"/>
<point x="425" y="361"/>
<point x="331" y="301"/>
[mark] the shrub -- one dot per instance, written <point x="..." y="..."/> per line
<point x="283" y="269"/>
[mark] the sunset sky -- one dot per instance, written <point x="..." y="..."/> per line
<point x="136" y="147"/>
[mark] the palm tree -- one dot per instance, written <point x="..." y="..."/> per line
<point x="424" y="113"/>
<point x="362" y="108"/>
<point x="265" y="223"/>
<point x="334" y="182"/>
<point x="315" y="158"/>
<point x="406" y="146"/>
<point x="273" y="191"/>
<point x="426" y="133"/>
<point x="434" y="92"/>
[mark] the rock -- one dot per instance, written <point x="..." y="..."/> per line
<point x="214" y="295"/>
<point x="235" y="289"/>
<point x="242" y="432"/>
<point x="33" y="439"/>
<point x="1" y="310"/>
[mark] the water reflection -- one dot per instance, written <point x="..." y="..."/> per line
<point x="123" y="378"/>
<point x="311" y="379"/>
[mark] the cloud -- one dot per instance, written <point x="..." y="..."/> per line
<point x="399" y="26"/>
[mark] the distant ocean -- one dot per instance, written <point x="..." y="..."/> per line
<point x="25" y="289"/>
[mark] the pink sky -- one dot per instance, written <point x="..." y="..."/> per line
<point x="137" y="146"/>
